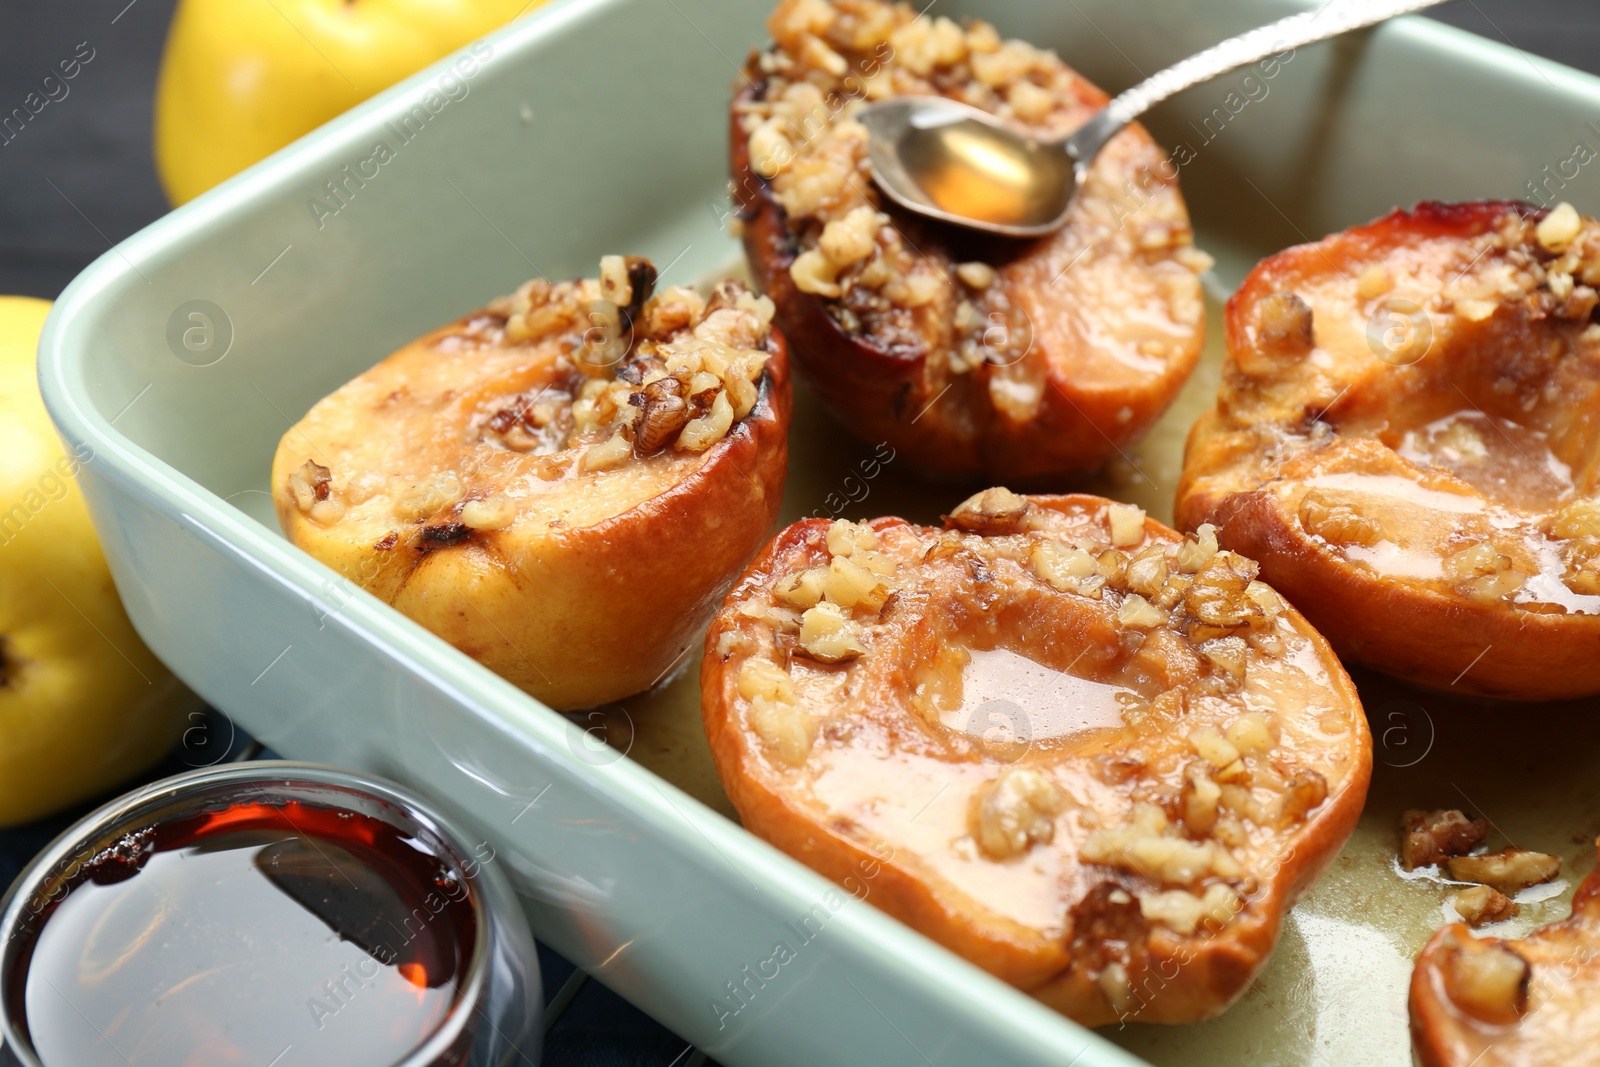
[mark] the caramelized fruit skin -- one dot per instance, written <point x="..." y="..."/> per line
<point x="1322" y="460"/>
<point x="1549" y="1022"/>
<point x="1115" y="327"/>
<point x="603" y="580"/>
<point x="1043" y="917"/>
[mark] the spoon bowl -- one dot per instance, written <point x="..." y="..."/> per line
<point x="949" y="161"/>
<point x="955" y="162"/>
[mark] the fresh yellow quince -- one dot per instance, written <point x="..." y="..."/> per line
<point x="84" y="704"/>
<point x="241" y="80"/>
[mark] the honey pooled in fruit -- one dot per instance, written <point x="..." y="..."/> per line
<point x="1095" y="758"/>
<point x="1405" y="440"/>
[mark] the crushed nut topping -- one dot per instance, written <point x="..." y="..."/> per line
<point x="1480" y="905"/>
<point x="311" y="487"/>
<point x="1148" y="845"/>
<point x="785" y="728"/>
<point x="1557" y="230"/>
<point x="1483" y="573"/>
<point x="828" y="635"/>
<point x="993" y="511"/>
<point x="640" y="373"/>
<point x="310" y="484"/>
<point x="1014" y="812"/>
<point x="1286" y="326"/>
<point x="1127" y="524"/>
<point x="1183" y="912"/>
<point x="1338" y="523"/>
<point x="1509" y="870"/>
<point x="1429" y="837"/>
<point x="488" y="513"/>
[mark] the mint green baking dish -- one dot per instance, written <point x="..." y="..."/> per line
<point x="593" y="126"/>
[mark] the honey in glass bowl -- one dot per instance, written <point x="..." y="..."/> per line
<point x="265" y="917"/>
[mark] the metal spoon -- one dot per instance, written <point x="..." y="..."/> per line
<point x="954" y="162"/>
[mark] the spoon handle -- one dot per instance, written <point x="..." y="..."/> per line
<point x="1330" y="20"/>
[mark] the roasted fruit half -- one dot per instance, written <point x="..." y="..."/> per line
<point x="561" y="485"/>
<point x="1095" y="758"/>
<point x="1022" y="360"/>
<point x="1495" y="1003"/>
<point x="1407" y="439"/>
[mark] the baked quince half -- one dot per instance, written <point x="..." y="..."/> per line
<point x="1021" y="360"/>
<point x="1095" y="758"/>
<point x="1407" y="439"/>
<point x="563" y="484"/>
<point x="1511" y="1003"/>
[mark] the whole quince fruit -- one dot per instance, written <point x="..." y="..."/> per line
<point x="240" y="81"/>
<point x="84" y="705"/>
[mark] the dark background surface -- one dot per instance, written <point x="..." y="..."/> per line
<point x="79" y="178"/>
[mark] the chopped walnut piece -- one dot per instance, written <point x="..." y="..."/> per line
<point x="1227" y="654"/>
<point x="1558" y="229"/>
<point x="1216" y="598"/>
<point x="803" y="589"/>
<point x="705" y="431"/>
<point x="1483" y="572"/>
<point x="1429" y="837"/>
<point x="310" y="484"/>
<point x="1580" y="518"/>
<point x="1138" y="613"/>
<point x="1198" y="800"/>
<point x="785" y="729"/>
<point x="1146" y="846"/>
<point x="1286" y="325"/>
<point x="828" y="636"/>
<point x="993" y="511"/>
<point x="1014" y="812"/>
<point x="1209" y="743"/>
<point x="663" y="413"/>
<point x="488" y="513"/>
<point x="763" y="678"/>
<point x="1147" y="572"/>
<point x="1252" y="733"/>
<point x="1488" y="981"/>
<point x="1509" y="870"/>
<point x="327" y="512"/>
<point x="844" y="537"/>
<point x="1182" y="912"/>
<point x="850" y="585"/>
<point x="976" y="275"/>
<point x="1067" y="570"/>
<point x="1197" y="549"/>
<point x="1373" y="282"/>
<point x="1127" y="524"/>
<point x="1305" y="790"/>
<point x="1337" y="523"/>
<point x="1481" y="904"/>
<point x="607" y="454"/>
